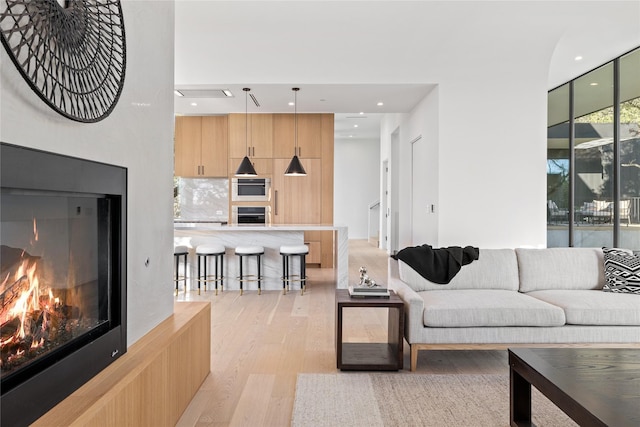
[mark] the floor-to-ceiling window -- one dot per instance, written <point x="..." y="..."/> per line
<point x="593" y="159"/>
<point x="593" y="153"/>
<point x="558" y="162"/>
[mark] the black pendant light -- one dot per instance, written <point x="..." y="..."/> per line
<point x="295" y="167"/>
<point x="246" y="168"/>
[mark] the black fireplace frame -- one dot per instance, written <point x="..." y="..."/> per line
<point x="71" y="367"/>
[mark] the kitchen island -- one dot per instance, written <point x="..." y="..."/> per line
<point x="271" y="237"/>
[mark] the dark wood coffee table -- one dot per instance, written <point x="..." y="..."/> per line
<point x="595" y="387"/>
<point x="386" y="356"/>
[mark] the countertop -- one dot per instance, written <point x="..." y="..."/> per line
<point x="216" y="226"/>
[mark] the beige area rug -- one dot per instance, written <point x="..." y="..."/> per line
<point x="398" y="399"/>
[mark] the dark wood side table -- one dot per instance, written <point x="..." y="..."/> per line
<point x="371" y="356"/>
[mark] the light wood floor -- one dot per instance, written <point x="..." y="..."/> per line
<point x="261" y="342"/>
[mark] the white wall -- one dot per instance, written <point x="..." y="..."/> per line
<point x="423" y="124"/>
<point x="491" y="151"/>
<point x="356" y="183"/>
<point x="137" y="135"/>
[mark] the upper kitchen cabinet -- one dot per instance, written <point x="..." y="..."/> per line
<point x="215" y="146"/>
<point x="187" y="146"/>
<point x="201" y="146"/>
<point x="256" y="141"/>
<point x="310" y="135"/>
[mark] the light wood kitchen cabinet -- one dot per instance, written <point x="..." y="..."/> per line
<point x="256" y="141"/>
<point x="297" y="199"/>
<point x="309" y="135"/>
<point x="313" y="240"/>
<point x="201" y="146"/>
<point x="187" y="143"/>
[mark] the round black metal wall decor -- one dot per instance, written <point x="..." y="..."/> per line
<point x="71" y="53"/>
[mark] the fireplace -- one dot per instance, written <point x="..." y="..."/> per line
<point x="63" y="277"/>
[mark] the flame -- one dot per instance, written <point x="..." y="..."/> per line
<point x="35" y="230"/>
<point x="32" y="300"/>
<point x="28" y="301"/>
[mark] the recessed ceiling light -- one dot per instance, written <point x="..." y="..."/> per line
<point x="355" y="126"/>
<point x="350" y="136"/>
<point x="593" y="84"/>
<point x="380" y="104"/>
<point x="361" y="112"/>
<point x="578" y="58"/>
<point x="291" y="104"/>
<point x="177" y="93"/>
<point x="194" y="104"/>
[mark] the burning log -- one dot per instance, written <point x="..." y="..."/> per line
<point x="34" y="319"/>
<point x="13" y="292"/>
<point x="10" y="328"/>
<point x="15" y="264"/>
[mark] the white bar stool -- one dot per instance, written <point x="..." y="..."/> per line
<point x="256" y="251"/>
<point x="203" y="253"/>
<point x="289" y="251"/>
<point x="180" y="254"/>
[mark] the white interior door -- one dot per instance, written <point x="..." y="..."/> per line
<point x="384" y="234"/>
<point x="420" y="207"/>
<point x="393" y="189"/>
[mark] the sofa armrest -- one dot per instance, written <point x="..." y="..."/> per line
<point x="413" y="304"/>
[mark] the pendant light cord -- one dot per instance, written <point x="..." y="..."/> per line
<point x="295" y="119"/>
<point x="246" y="121"/>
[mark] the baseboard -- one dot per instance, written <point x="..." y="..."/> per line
<point x="152" y="384"/>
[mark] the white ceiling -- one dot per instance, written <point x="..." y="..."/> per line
<point x="346" y="101"/>
<point x="347" y="56"/>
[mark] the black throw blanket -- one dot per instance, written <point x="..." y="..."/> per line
<point x="438" y="265"/>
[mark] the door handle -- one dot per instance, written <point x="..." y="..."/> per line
<point x="253" y="151"/>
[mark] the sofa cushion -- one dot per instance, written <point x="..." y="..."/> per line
<point x="593" y="307"/>
<point x="560" y="268"/>
<point x="487" y="307"/>
<point x="494" y="269"/>
<point x="621" y="271"/>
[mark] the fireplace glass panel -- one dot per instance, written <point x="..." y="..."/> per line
<point x="54" y="285"/>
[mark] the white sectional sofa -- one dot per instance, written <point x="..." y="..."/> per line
<point x="517" y="297"/>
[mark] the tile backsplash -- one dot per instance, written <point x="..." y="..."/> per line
<point x="202" y="199"/>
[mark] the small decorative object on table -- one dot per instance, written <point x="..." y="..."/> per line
<point x="367" y="288"/>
